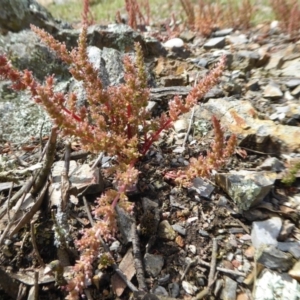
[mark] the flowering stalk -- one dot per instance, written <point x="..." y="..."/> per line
<point x="215" y="159"/>
<point x="116" y="121"/>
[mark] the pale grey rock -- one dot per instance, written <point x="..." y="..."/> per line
<point x="223" y="32"/>
<point x="291" y="68"/>
<point x="124" y="221"/>
<point x="292" y="83"/>
<point x="179" y="228"/>
<point x="296" y="92"/>
<point x="82" y="178"/>
<point x="153" y="264"/>
<point x="288" y="96"/>
<point x="271" y="285"/>
<point x="266" y="232"/>
<point x="174" y="289"/>
<point x="189" y="287"/>
<point x="246" y="188"/>
<point x="275" y="62"/>
<point x="174" y="43"/>
<point x="181" y="125"/>
<point x="237" y="39"/>
<point x="229" y="290"/>
<point x="272" y="91"/>
<point x="218" y="42"/>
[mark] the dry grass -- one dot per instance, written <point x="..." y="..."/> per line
<point x="207" y="16"/>
<point x="287" y="12"/>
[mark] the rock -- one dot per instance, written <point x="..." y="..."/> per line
<point x="124" y="221"/>
<point x="165" y="231"/>
<point x="286" y="230"/>
<point x="266" y="232"/>
<point x="296" y="92"/>
<point x="218" y="42"/>
<point x="117" y="36"/>
<point x="175" y="42"/>
<point x="271" y="285"/>
<point x="160" y="291"/>
<point x="82" y="178"/>
<point x="291" y="247"/>
<point x="246" y="188"/>
<point x="153" y="264"/>
<point x="275" y="62"/>
<point x="223" y="32"/>
<point x="274" y="259"/>
<point x="292" y="83"/>
<point x="272" y="91"/>
<point x="291" y="68"/>
<point x="189" y="288"/>
<point x="17" y="15"/>
<point x="237" y="39"/>
<point x="229" y="290"/>
<point x="245" y="60"/>
<point x="174" y="289"/>
<point x="239" y="117"/>
<point x="181" y="125"/>
<point x="202" y="188"/>
<point x="272" y="164"/>
<point x="26" y="51"/>
<point x="295" y="271"/>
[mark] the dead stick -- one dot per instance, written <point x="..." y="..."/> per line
<point x="33" y="241"/>
<point x="213" y="262"/>
<point x="223" y="270"/>
<point x="36" y="285"/>
<point x="140" y="275"/>
<point x="47" y="165"/>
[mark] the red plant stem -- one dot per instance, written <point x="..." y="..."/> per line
<point x="154" y="136"/>
<point x="129" y="133"/>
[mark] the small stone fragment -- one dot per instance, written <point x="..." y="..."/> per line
<point x="218" y="42"/>
<point x="153" y="264"/>
<point x="189" y="288"/>
<point x="266" y="232"/>
<point x="274" y="259"/>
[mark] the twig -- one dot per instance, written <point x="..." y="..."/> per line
<point x="8" y="199"/>
<point x="87" y="209"/>
<point x="190" y="263"/>
<point x="189" y="128"/>
<point x="36" y="285"/>
<point x="36" y="182"/>
<point x="65" y="182"/>
<point x="140" y="275"/>
<point x="213" y="262"/>
<point x="33" y="241"/>
<point x="98" y="160"/>
<point x="12" y="221"/>
<point x="206" y="290"/>
<point x="223" y="270"/>
<point x="45" y="170"/>
<point x="28" y="216"/>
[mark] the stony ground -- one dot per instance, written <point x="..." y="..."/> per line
<point x="233" y="236"/>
